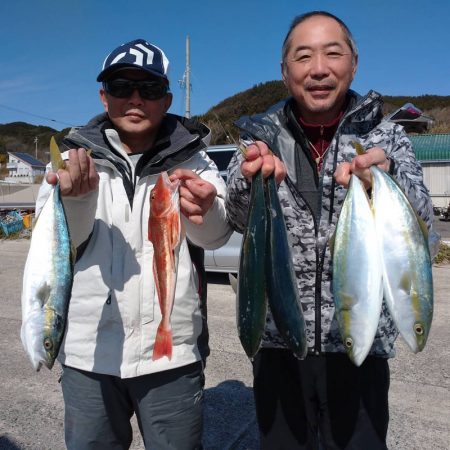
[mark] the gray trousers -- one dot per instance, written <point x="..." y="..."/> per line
<point x="168" y="407"/>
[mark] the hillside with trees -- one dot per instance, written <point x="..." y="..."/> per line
<point x="221" y="117"/>
<point x="20" y="136"/>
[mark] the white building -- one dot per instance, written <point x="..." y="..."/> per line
<point x="433" y="153"/>
<point x="23" y="168"/>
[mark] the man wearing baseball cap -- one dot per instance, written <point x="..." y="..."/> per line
<point x="108" y="369"/>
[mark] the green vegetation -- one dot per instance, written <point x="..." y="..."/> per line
<point x="443" y="256"/>
<point x="19" y="136"/>
<point x="259" y="98"/>
<point x="423" y="102"/>
<point x="255" y="100"/>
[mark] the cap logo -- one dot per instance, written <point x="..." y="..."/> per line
<point x="138" y="53"/>
<point x="139" y="56"/>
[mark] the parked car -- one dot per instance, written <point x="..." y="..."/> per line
<point x="445" y="213"/>
<point x="226" y="258"/>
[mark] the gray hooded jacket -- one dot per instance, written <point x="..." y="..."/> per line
<point x="312" y="201"/>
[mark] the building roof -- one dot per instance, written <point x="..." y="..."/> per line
<point x="431" y="147"/>
<point x="411" y="117"/>
<point x="28" y="159"/>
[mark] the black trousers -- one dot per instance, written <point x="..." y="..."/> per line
<point x="322" y="402"/>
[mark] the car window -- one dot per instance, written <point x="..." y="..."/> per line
<point x="221" y="159"/>
<point x="221" y="155"/>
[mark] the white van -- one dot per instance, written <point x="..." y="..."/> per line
<point x="226" y="258"/>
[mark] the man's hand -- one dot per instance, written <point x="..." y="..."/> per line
<point x="79" y="177"/>
<point x="360" y="166"/>
<point x="196" y="195"/>
<point x="259" y="157"/>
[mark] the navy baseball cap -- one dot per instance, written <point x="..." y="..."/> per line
<point x="137" y="54"/>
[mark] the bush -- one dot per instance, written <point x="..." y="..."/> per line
<point x="443" y="256"/>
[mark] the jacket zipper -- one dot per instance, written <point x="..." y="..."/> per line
<point x="319" y="266"/>
<point x="320" y="258"/>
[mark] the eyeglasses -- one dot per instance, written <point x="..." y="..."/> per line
<point x="148" y="90"/>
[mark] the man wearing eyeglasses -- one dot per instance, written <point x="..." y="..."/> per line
<point x="324" y="400"/>
<point x="108" y="370"/>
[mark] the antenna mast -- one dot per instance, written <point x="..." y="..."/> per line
<point x="188" y="80"/>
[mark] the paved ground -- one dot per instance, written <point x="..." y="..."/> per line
<point x="31" y="409"/>
<point x="443" y="228"/>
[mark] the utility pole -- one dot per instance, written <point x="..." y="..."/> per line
<point x="188" y="80"/>
<point x="36" y="142"/>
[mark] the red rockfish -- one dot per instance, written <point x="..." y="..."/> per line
<point x="164" y="231"/>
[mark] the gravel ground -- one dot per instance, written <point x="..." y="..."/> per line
<point x="31" y="407"/>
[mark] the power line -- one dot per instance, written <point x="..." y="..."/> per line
<point x="35" y="115"/>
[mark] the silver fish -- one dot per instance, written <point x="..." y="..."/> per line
<point x="357" y="273"/>
<point x="407" y="265"/>
<point x="47" y="279"/>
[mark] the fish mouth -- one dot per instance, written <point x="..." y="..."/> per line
<point x="171" y="185"/>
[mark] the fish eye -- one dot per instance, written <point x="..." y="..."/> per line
<point x="349" y="342"/>
<point x="48" y="345"/>
<point x="418" y="329"/>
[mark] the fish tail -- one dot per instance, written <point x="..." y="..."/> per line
<point x="55" y="156"/>
<point x="163" y="343"/>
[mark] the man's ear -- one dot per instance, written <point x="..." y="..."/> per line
<point x="355" y="66"/>
<point x="284" y="74"/>
<point x="103" y="99"/>
<point x="168" y="100"/>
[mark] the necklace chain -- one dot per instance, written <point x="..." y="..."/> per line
<point x="318" y="159"/>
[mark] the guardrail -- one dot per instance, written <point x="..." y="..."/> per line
<point x="19" y="205"/>
<point x="18" y="196"/>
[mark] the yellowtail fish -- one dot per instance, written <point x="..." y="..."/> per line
<point x="407" y="265"/>
<point x="164" y="231"/>
<point x="47" y="279"/>
<point x="357" y="273"/>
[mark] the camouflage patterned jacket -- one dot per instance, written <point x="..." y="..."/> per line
<point x="312" y="201"/>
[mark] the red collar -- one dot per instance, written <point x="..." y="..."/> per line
<point x="331" y="124"/>
<point x="319" y="137"/>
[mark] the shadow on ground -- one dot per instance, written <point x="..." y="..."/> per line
<point x="8" y="444"/>
<point x="218" y="278"/>
<point x="230" y="422"/>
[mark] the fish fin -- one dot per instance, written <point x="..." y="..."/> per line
<point x="73" y="253"/>
<point x="155" y="277"/>
<point x="347" y="301"/>
<point x="149" y="232"/>
<point x="163" y="343"/>
<point x="175" y="229"/>
<point x="358" y="147"/>
<point x="55" y="156"/>
<point x="422" y="224"/>
<point x="43" y="293"/>
<point x="405" y="282"/>
<point x="332" y="242"/>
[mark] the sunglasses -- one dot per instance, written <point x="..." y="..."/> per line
<point x="148" y="90"/>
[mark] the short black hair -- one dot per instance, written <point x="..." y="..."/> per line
<point x="301" y="18"/>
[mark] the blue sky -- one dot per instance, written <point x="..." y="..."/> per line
<point x="52" y="50"/>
